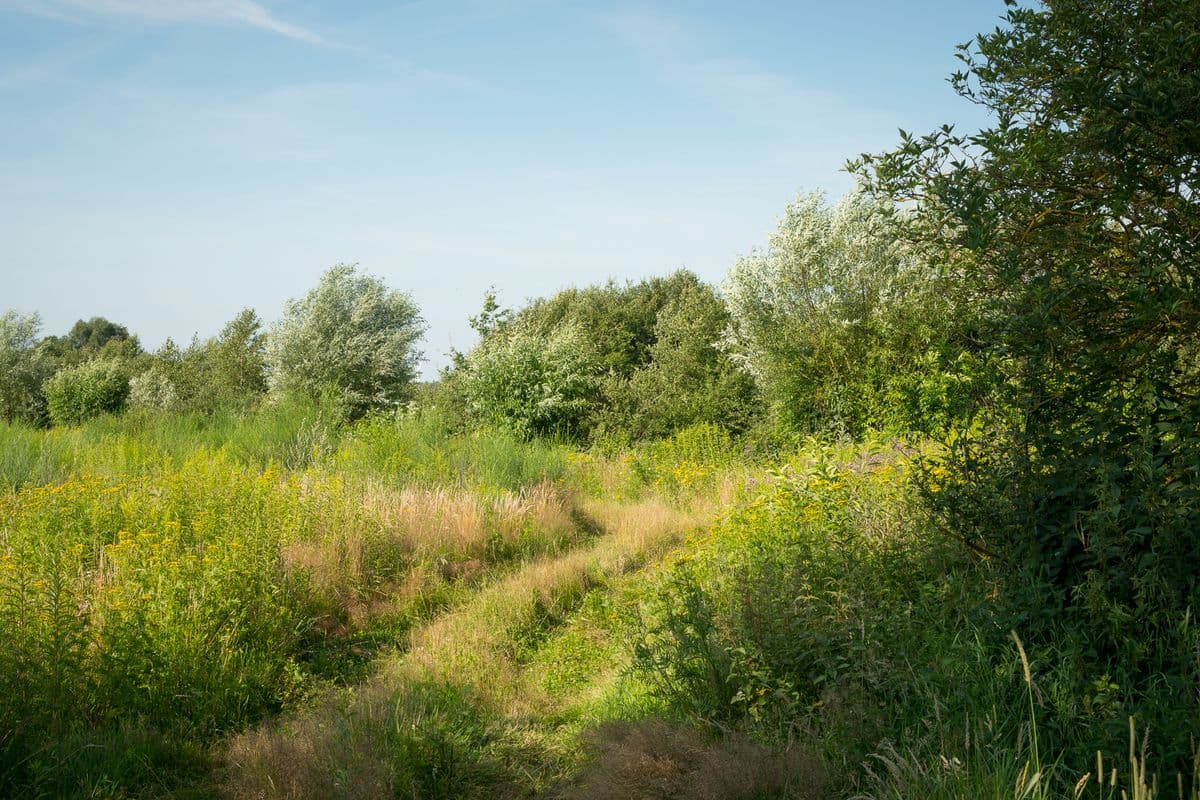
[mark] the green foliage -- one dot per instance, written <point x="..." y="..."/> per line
<point x="292" y="432"/>
<point x="153" y="389"/>
<point x="144" y="596"/>
<point x="537" y="384"/>
<point x="619" y="320"/>
<point x="632" y="361"/>
<point x="134" y="599"/>
<point x="1074" y="226"/>
<point x="492" y="317"/>
<point x="94" y="334"/>
<point x="424" y="447"/>
<point x="680" y="651"/>
<point x="691" y="460"/>
<point x="688" y="379"/>
<point x="225" y="373"/>
<point x="820" y="610"/>
<point x="88" y="339"/>
<point x="22" y="369"/>
<point x="76" y="394"/>
<point x="700" y="460"/>
<point x="26" y="457"/>
<point x="767" y="613"/>
<point x="166" y="382"/>
<point x="839" y="321"/>
<point x="352" y="335"/>
<point x="235" y="361"/>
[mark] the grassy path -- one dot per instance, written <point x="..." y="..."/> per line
<point x="471" y="706"/>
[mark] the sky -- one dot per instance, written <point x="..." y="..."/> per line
<point x="165" y="163"/>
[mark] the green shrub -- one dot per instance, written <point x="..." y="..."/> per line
<point x="537" y="384"/>
<point x="1074" y="228"/>
<point x="23" y="369"/>
<point x="76" y="394"/>
<point x="153" y="390"/>
<point x="612" y="362"/>
<point x="766" y="615"/>
<point x="689" y="379"/>
<point x="821" y="609"/>
<point x="225" y="373"/>
<point x="618" y="319"/>
<point x="837" y="315"/>
<point x="350" y="335"/>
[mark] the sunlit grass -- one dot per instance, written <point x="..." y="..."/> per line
<point x="277" y="604"/>
<point x="467" y="664"/>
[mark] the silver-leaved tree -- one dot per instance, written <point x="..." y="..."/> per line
<point x="350" y="335"/>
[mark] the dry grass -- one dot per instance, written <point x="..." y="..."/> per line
<point x="652" y="759"/>
<point x="478" y="639"/>
<point x="340" y="747"/>
<point x="294" y="760"/>
<point x="396" y="543"/>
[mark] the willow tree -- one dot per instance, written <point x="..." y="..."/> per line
<point x="840" y="320"/>
<point x="350" y="335"/>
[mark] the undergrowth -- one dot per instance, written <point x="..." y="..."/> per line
<point x="282" y="605"/>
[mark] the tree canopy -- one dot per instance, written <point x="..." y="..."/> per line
<point x="837" y="317"/>
<point x="351" y="335"/>
<point x="635" y="360"/>
<point x="21" y="368"/>
<point x="1074" y="225"/>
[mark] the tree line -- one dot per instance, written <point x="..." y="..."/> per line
<point x="831" y="327"/>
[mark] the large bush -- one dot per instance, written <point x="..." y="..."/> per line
<point x="840" y="321"/>
<point x="22" y="369"/>
<point x="536" y="383"/>
<point x="1076" y="223"/>
<point x="350" y="335"/>
<point x="638" y="360"/>
<point x="689" y="379"/>
<point x="227" y="372"/>
<point x="76" y="394"/>
<point x="620" y="319"/>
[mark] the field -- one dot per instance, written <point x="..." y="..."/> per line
<point x="161" y="592"/>
<point x="904" y="506"/>
<point x="279" y="606"/>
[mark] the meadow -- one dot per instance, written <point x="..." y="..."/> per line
<point x="161" y="591"/>
<point x="279" y="605"/>
<point x="906" y="508"/>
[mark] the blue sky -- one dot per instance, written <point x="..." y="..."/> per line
<point x="165" y="163"/>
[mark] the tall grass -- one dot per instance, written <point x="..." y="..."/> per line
<point x="425" y="447"/>
<point x="290" y="432"/>
<point x="307" y="608"/>
<point x="157" y="589"/>
<point x="446" y="718"/>
<point x="28" y="456"/>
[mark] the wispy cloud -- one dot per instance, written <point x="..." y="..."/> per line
<point x="206" y="12"/>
